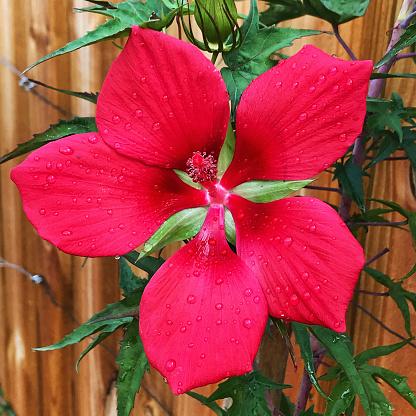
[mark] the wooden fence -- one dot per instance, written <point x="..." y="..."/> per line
<point x="33" y="315"/>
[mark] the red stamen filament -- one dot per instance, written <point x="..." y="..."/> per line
<point x="202" y="167"/>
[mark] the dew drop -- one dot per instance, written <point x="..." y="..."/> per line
<point x="307" y="295"/>
<point x="288" y="241"/>
<point x="116" y="119"/>
<point x="138" y="113"/>
<point x="305" y="275"/>
<point x="110" y="212"/>
<point x="191" y="299"/>
<point x="342" y="137"/>
<point x="349" y="82"/>
<point x="156" y="126"/>
<point x="312" y="89"/>
<point x="294" y="300"/>
<point x="183" y="329"/>
<point x="279" y="84"/>
<point x="219" y="306"/>
<point x="248" y="292"/>
<point x="256" y="299"/>
<point x="50" y="179"/>
<point x="127" y="126"/>
<point x="170" y="365"/>
<point x="303" y="116"/>
<point x="66" y="150"/>
<point x="202" y="355"/>
<point x="42" y="211"/>
<point x="66" y="233"/>
<point x="247" y="323"/>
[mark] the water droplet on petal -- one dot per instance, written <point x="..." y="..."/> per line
<point x="42" y="211"/>
<point x="66" y="233"/>
<point x="170" y="365"/>
<point x="156" y="126"/>
<point x="219" y="306"/>
<point x="256" y="299"/>
<point x="191" y="299"/>
<point x="66" y="150"/>
<point x="247" y="323"/>
<point x="342" y="137"/>
<point x="50" y="179"/>
<point x="303" y="116"/>
<point x="294" y="300"/>
<point x="116" y="119"/>
<point x="288" y="241"/>
<point x="349" y="82"/>
<point x="248" y="292"/>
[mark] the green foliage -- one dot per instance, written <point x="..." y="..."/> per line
<point x="355" y="377"/>
<point x="247" y="393"/>
<point x="267" y="191"/>
<point x="287" y="408"/>
<point x="148" y="13"/>
<point x="303" y="340"/>
<point x="62" y="129"/>
<point x="6" y="408"/>
<point x="227" y="151"/>
<point x="398" y="293"/>
<point x="183" y="225"/>
<point x="333" y="11"/>
<point x="129" y="282"/>
<point x="148" y="264"/>
<point x="88" y="96"/>
<point x="350" y="177"/>
<point x="408" y="38"/>
<point x="132" y="362"/>
<point x="252" y="57"/>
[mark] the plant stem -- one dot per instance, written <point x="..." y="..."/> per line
<point x="368" y="292"/>
<point x="323" y="188"/>
<point x="379" y="223"/>
<point x="377" y="256"/>
<point x="405" y="55"/>
<point x="343" y="43"/>
<point x="384" y="326"/>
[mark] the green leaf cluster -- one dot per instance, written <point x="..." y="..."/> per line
<point x="333" y="11"/>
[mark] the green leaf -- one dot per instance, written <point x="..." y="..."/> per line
<point x="333" y="11"/>
<point x="340" y="399"/>
<point x="227" y="151"/>
<point x="88" y="96"/>
<point x="303" y="340"/>
<point x="97" y="340"/>
<point x="350" y="177"/>
<point x="267" y="191"/>
<point x="247" y="393"/>
<point x="184" y="177"/>
<point x="379" y="351"/>
<point x="62" y="129"/>
<point x="252" y="57"/>
<point x="180" y="226"/>
<point x="396" y="381"/>
<point x="206" y="402"/>
<point x="148" y="264"/>
<point x="103" y="321"/>
<point x="340" y="347"/>
<point x="400" y="295"/>
<point x="6" y="408"/>
<point x="387" y="145"/>
<point x="123" y="16"/>
<point x="132" y="362"/>
<point x="407" y="38"/>
<point x="129" y="282"/>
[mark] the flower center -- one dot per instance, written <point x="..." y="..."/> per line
<point x="202" y="167"/>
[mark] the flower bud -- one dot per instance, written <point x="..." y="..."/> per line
<point x="216" y="19"/>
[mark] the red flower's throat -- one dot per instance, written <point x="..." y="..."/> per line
<point x="201" y="167"/>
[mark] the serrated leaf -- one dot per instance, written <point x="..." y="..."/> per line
<point x="396" y="381"/>
<point x="333" y="11"/>
<point x="379" y="351"/>
<point x="248" y="394"/>
<point x="379" y="75"/>
<point x="88" y="96"/>
<point x="340" y="347"/>
<point x="123" y="16"/>
<point x="62" y="129"/>
<point x="303" y="340"/>
<point x="350" y="177"/>
<point x="388" y="144"/>
<point x="97" y="340"/>
<point x="407" y="39"/>
<point x="206" y="402"/>
<point x="340" y="398"/>
<point x="132" y="362"/>
<point x="396" y="291"/>
<point x="252" y="57"/>
<point x="101" y="321"/>
<point x="267" y="191"/>
<point x="181" y="226"/>
<point x="129" y="282"/>
<point x="148" y="264"/>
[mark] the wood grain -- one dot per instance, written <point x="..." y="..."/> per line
<point x="46" y="383"/>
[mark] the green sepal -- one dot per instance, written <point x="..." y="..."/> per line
<point x="57" y="131"/>
<point x="227" y="152"/>
<point x="181" y="226"/>
<point x="148" y="264"/>
<point x="267" y="191"/>
<point x="132" y="362"/>
<point x="230" y="227"/>
<point x="129" y="282"/>
<point x="184" y="177"/>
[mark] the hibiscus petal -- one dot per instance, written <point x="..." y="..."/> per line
<point x="203" y="313"/>
<point x="307" y="260"/>
<point x="299" y="117"/>
<point x="162" y="100"/>
<point x="88" y="200"/>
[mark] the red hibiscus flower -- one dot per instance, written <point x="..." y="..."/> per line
<point x="164" y="106"/>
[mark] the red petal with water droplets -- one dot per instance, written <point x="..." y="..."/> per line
<point x="88" y="200"/>
<point x="296" y="119"/>
<point x="203" y="313"/>
<point x="162" y="100"/>
<point x="304" y="255"/>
